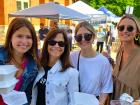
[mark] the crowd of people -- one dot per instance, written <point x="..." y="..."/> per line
<point x="52" y="76"/>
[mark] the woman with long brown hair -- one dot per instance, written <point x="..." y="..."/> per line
<point x="127" y="69"/>
<point x="20" y="49"/>
<point x="57" y="81"/>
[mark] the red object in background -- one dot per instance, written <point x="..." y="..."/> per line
<point x="1" y="101"/>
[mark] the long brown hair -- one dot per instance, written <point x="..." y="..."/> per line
<point x="132" y="17"/>
<point x="16" y="24"/>
<point x="64" y="58"/>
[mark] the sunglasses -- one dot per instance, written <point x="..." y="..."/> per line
<point x="129" y="28"/>
<point x="86" y="36"/>
<point x="53" y="43"/>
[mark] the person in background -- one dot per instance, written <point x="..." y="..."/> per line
<point x="69" y="35"/>
<point x="72" y="27"/>
<point x="57" y="80"/>
<point x="109" y="39"/>
<point x="20" y="49"/>
<point x="54" y="25"/>
<point x="100" y="39"/>
<point x="42" y="33"/>
<point x="127" y="69"/>
<point x="95" y="74"/>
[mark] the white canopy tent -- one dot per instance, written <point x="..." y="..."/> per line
<point x="83" y="8"/>
<point x="51" y="11"/>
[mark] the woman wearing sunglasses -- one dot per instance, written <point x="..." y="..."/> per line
<point x="57" y="81"/>
<point x="94" y="69"/>
<point x="127" y="69"/>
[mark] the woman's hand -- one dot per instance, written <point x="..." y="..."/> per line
<point x="102" y="99"/>
<point x="136" y="103"/>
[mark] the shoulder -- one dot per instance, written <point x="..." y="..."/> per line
<point x="72" y="71"/>
<point x="3" y="52"/>
<point x="136" y="53"/>
<point x="31" y="63"/>
<point x="2" y="48"/>
<point x="102" y="58"/>
<point x="74" y="53"/>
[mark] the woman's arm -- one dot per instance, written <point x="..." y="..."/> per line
<point x="136" y="102"/>
<point x="102" y="99"/>
<point x="107" y="84"/>
<point x="73" y="85"/>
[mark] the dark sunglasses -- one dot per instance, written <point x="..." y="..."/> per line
<point x="129" y="28"/>
<point x="53" y="42"/>
<point x="86" y="36"/>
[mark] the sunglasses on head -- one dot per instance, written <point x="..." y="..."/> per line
<point x="53" y="43"/>
<point x="129" y="28"/>
<point x="80" y="37"/>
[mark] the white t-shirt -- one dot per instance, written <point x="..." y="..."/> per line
<point x="95" y="74"/>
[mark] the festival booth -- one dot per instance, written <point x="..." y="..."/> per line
<point x="52" y="11"/>
<point x="110" y="16"/>
<point x="83" y="8"/>
<point x="49" y="10"/>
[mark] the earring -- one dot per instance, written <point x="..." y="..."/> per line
<point x="137" y="38"/>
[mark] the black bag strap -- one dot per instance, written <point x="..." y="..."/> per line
<point x="78" y="60"/>
<point x="78" y="67"/>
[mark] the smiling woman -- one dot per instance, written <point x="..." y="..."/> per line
<point x="127" y="69"/>
<point x="20" y="49"/>
<point x="21" y="41"/>
<point x="57" y="81"/>
<point x="93" y="67"/>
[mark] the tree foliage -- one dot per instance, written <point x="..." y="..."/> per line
<point x="118" y="7"/>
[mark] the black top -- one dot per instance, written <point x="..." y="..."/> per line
<point x="41" y="87"/>
<point x="42" y="32"/>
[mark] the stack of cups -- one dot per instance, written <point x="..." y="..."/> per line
<point x="7" y="78"/>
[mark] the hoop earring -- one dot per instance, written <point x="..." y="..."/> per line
<point x="137" y="38"/>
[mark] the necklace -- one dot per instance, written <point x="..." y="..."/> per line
<point x="16" y="63"/>
<point x="21" y="66"/>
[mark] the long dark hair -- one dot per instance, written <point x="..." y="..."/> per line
<point x="16" y="24"/>
<point x="64" y="58"/>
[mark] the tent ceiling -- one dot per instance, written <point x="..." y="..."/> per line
<point x="49" y="10"/>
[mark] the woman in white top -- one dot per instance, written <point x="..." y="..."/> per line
<point x="94" y="68"/>
<point x="57" y="81"/>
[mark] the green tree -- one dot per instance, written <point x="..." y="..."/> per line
<point x="137" y="8"/>
<point x="118" y="7"/>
